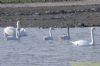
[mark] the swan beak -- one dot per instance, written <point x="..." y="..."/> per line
<point x="93" y="28"/>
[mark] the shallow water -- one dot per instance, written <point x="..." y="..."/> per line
<point x="32" y="50"/>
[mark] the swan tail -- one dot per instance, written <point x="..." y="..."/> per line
<point x="71" y="41"/>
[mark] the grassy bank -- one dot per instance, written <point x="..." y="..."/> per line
<point x="85" y="63"/>
<point x="32" y="1"/>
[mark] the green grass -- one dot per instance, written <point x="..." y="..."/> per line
<point x="31" y="1"/>
<point x="84" y="63"/>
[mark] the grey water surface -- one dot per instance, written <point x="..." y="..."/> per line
<point x="32" y="50"/>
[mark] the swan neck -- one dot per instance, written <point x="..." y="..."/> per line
<point x="18" y="30"/>
<point x="18" y="25"/>
<point x="68" y="34"/>
<point x="92" y="37"/>
<point x="50" y="32"/>
<point x="17" y="33"/>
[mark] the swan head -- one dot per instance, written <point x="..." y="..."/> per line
<point x="92" y="28"/>
<point x="18" y="22"/>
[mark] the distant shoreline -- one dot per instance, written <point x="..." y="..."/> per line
<point x="50" y="16"/>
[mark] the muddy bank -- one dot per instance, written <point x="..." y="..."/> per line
<point x="56" y="16"/>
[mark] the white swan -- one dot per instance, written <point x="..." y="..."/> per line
<point x="50" y="35"/>
<point x="84" y="42"/>
<point x="67" y="36"/>
<point x="13" y="33"/>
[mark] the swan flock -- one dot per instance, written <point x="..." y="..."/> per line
<point x="11" y="32"/>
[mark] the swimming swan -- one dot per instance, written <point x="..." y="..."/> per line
<point x="13" y="33"/>
<point x="67" y="36"/>
<point x="84" y="42"/>
<point x="50" y="35"/>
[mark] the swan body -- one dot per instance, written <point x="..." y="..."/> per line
<point x="10" y="33"/>
<point x="10" y="30"/>
<point x="48" y="38"/>
<point x="22" y="32"/>
<point x="50" y="35"/>
<point x="67" y="36"/>
<point x="84" y="42"/>
<point x="81" y="43"/>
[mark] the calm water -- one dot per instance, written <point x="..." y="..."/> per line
<point x="32" y="50"/>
